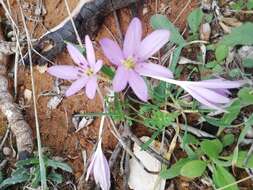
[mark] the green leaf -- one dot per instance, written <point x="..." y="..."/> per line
<point x="248" y="63"/>
<point x="55" y="177"/>
<point x="190" y="139"/>
<point x="27" y="162"/>
<point x="248" y="124"/>
<point x="175" y="58"/>
<point x="215" y="122"/>
<point x="108" y="71"/>
<point x="194" y="19"/>
<point x="233" y="112"/>
<point x="246" y="96"/>
<point x="228" y="139"/>
<point x="159" y="21"/>
<point x="221" y="178"/>
<point x="19" y="177"/>
<point x="211" y="148"/>
<point x="174" y="170"/>
<point x="241" y="35"/>
<point x="160" y="119"/>
<point x="193" y="169"/>
<point x="240" y="162"/>
<point x="221" y="52"/>
<point x="36" y="177"/>
<point x="57" y="164"/>
<point x="250" y="4"/>
<point x="235" y="73"/>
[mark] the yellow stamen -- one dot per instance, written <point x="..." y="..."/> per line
<point x="129" y="63"/>
<point x="89" y="72"/>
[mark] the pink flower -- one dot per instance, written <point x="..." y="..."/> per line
<point x="211" y="93"/>
<point x="84" y="73"/>
<point x="132" y="61"/>
<point x="99" y="167"/>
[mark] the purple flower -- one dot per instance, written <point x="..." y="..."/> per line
<point x="132" y="61"/>
<point x="99" y="167"/>
<point x="211" y="93"/>
<point x="84" y="73"/>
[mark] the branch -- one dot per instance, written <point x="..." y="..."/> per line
<point x="88" y="16"/>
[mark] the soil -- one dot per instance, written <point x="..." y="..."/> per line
<point x="56" y="126"/>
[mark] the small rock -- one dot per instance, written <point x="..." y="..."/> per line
<point x="27" y="95"/>
<point x="206" y="5"/>
<point x="205" y="31"/>
<point x="54" y="102"/>
<point x="246" y="52"/>
<point x="145" y="10"/>
<point x="42" y="68"/>
<point x="7" y="151"/>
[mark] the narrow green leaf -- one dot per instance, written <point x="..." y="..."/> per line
<point x="175" y="58"/>
<point x="57" y="164"/>
<point x="145" y="145"/>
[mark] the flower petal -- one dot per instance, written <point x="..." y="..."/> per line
<point x="152" y="43"/>
<point x="76" y="55"/>
<point x="76" y="86"/>
<point x="66" y="72"/>
<point x="132" y="38"/>
<point x="91" y="167"/>
<point x="98" y="66"/>
<point x="150" y="70"/>
<point x="120" y="79"/>
<point x="211" y="95"/>
<point x="90" y="51"/>
<point x="138" y="85"/>
<point x="91" y="87"/>
<point x="112" y="51"/>
<point x="218" y="83"/>
<point x="102" y="171"/>
<point x="201" y="99"/>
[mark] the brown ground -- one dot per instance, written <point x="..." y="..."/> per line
<point x="56" y="128"/>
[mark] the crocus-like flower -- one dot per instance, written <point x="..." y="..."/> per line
<point x="84" y="73"/>
<point x="211" y="93"/>
<point x="132" y="61"/>
<point x="99" y="167"/>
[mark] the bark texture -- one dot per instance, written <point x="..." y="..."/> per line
<point x="17" y="124"/>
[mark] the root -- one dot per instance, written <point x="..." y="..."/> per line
<point x="16" y="121"/>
